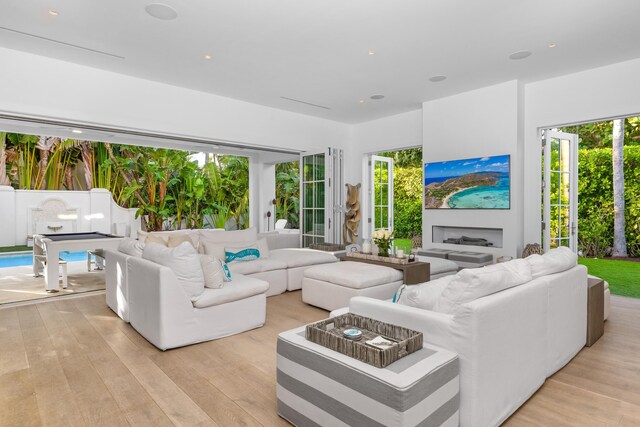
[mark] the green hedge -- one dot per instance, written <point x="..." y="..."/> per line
<point x="595" y="203"/>
<point x="407" y="205"/>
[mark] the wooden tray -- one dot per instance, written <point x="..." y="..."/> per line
<point x="328" y="333"/>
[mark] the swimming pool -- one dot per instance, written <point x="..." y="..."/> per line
<point x="26" y="258"/>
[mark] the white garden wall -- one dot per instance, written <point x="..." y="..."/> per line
<point x="27" y="212"/>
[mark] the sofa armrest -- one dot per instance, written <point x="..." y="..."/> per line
<point x="436" y="327"/>
<point x="158" y="306"/>
<point x="115" y="275"/>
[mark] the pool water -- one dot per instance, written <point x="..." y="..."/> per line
<point x="27" y="258"/>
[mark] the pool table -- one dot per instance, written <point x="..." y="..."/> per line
<point x="50" y="246"/>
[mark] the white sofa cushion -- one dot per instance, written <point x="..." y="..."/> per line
<point x="242" y="287"/>
<point x="131" y="247"/>
<point x="473" y="283"/>
<point x="257" y="266"/>
<point x="353" y="274"/>
<point x="212" y="271"/>
<point x="221" y="236"/>
<point x="184" y="260"/>
<point x="554" y="261"/>
<point x="295" y="257"/>
<point x="424" y="295"/>
<point x="277" y="240"/>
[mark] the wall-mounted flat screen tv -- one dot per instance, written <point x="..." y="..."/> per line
<point x="480" y="183"/>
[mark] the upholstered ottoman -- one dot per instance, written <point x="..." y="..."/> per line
<point x="320" y="387"/>
<point x="439" y="267"/>
<point x="466" y="259"/>
<point x="331" y="286"/>
<point x="435" y="252"/>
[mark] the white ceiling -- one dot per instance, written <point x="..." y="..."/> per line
<point x="317" y="51"/>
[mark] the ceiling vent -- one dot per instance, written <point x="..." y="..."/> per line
<point x="87" y="49"/>
<point x="305" y="103"/>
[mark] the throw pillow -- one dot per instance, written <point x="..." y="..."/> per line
<point x="554" y="261"/>
<point x="158" y="240"/>
<point x="473" y="283"/>
<point x="225" y="270"/>
<point x="176" y="239"/>
<point x="242" y="254"/>
<point x="424" y="295"/>
<point x="185" y="263"/>
<point x="215" y="249"/>
<point x="131" y="247"/>
<point x="213" y="272"/>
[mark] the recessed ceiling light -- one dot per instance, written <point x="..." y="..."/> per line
<point x="76" y="131"/>
<point x="161" y="11"/>
<point x="437" y="79"/>
<point x="376" y="97"/>
<point x="361" y="101"/>
<point x="371" y="53"/>
<point x="552" y="45"/>
<point x="207" y="57"/>
<point x="522" y="54"/>
<point x="53" y="12"/>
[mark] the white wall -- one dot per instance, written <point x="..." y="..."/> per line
<point x="478" y="123"/>
<point x="590" y="95"/>
<point x="36" y="85"/>
<point x="386" y="134"/>
<point x="23" y="211"/>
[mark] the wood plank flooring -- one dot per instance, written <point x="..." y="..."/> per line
<point x="73" y="362"/>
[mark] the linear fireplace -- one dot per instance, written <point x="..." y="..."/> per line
<point x="470" y="236"/>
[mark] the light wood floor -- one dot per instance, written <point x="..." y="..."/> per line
<point x="73" y="362"/>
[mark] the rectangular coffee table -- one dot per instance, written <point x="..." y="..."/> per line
<point x="413" y="272"/>
<point x="50" y="245"/>
<point x="317" y="386"/>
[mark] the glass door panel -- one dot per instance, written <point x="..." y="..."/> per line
<point x="560" y="201"/>
<point x="382" y="193"/>
<point x="313" y="200"/>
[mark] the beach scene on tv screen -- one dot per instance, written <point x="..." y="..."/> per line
<point x="480" y="183"/>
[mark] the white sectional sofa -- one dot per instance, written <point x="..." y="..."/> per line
<point x="282" y="269"/>
<point x="509" y="338"/>
<point x="163" y="313"/>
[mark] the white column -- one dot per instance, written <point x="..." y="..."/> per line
<point x="267" y="195"/>
<point x="263" y="190"/>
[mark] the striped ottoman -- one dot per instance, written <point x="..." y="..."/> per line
<point x="318" y="386"/>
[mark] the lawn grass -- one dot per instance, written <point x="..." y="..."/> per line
<point x="15" y="248"/>
<point x="623" y="276"/>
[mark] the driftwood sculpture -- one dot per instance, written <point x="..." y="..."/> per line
<point x="351" y="215"/>
<point x="532" y="248"/>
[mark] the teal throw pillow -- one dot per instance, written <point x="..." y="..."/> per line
<point x="246" y="254"/>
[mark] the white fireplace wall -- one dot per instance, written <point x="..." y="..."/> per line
<point x="484" y="122"/>
<point x="93" y="210"/>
